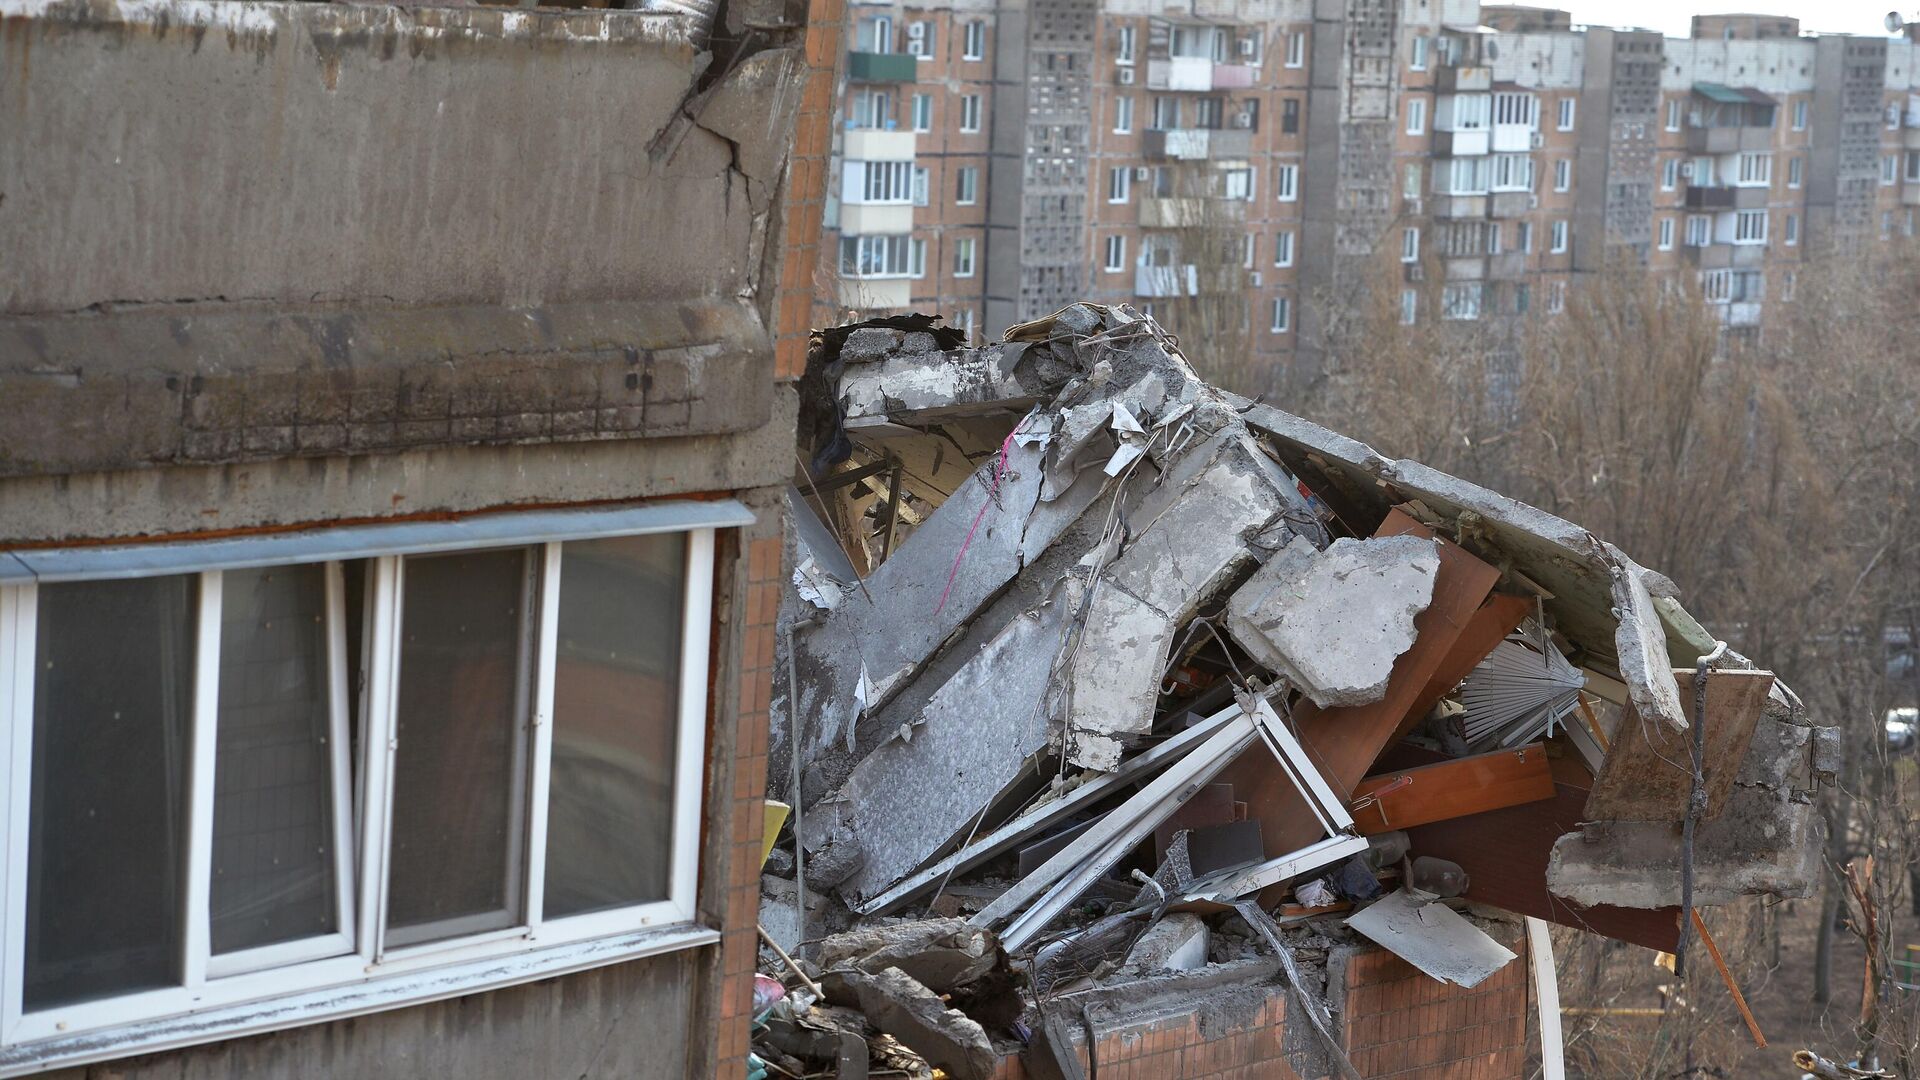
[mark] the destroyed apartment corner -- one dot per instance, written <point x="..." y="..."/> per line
<point x="1101" y="691"/>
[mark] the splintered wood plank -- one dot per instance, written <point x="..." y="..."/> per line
<point x="1498" y="617"/>
<point x="1647" y="772"/>
<point x="1344" y="741"/>
<point x="1451" y="789"/>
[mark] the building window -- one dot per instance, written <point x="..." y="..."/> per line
<point x="917" y="258"/>
<point x="1410" y="244"/>
<point x="876" y="256"/>
<point x="919" y="186"/>
<point x="963" y="257"/>
<point x="1460" y="302"/>
<point x="974" y="46"/>
<point x="1699" y="230"/>
<point x="1237" y="184"/>
<point x="1800" y="116"/>
<point x="873" y="110"/>
<point x="1556" y="297"/>
<point x="1123" y="53"/>
<point x="1466" y="176"/>
<point x="1755" y="170"/>
<point x="966" y="188"/>
<point x="1116" y="254"/>
<point x="1512" y="109"/>
<point x="1526" y="236"/>
<point x="1282" y="320"/>
<point x="1410" y="180"/>
<point x="1290" y="116"/>
<point x="1166" y="113"/>
<point x="1566" y="114"/>
<point x="1669" y="174"/>
<point x="923" y="112"/>
<point x="1673" y="115"/>
<point x="1794" y="166"/>
<point x="1409" y="304"/>
<point x="211" y="812"/>
<point x="1703" y="172"/>
<point x="1512" y="172"/>
<point x="1297" y="49"/>
<point x="1416" y="116"/>
<point x="1522" y="298"/>
<point x="1248" y="249"/>
<point x="876" y="34"/>
<point x="1286" y="182"/>
<point x="970" y="112"/>
<point x="1750" y="227"/>
<point x="1493" y="238"/>
<point x="1792" y="229"/>
<point x="1283" y="248"/>
<point x="1123" y="114"/>
<point x="1563" y="174"/>
<point x="1666" y="234"/>
<point x="1890" y="170"/>
<point x="1557" y="238"/>
<point x="1732" y="286"/>
<point x="878" y="182"/>
<point x="1119" y="183"/>
<point x="1210" y="113"/>
<point x="1418" y="58"/>
<point x="1913" y="166"/>
<point x="920" y="40"/>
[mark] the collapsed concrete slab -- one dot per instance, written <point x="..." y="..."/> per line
<point x="1334" y="621"/>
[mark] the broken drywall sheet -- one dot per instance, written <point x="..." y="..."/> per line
<point x="1334" y="621"/>
<point x="909" y="798"/>
<point x="1432" y="937"/>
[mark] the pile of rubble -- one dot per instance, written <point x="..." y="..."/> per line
<point x="1100" y="668"/>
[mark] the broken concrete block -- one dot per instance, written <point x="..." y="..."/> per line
<point x="940" y="954"/>
<point x="899" y="1006"/>
<point x="870" y="343"/>
<point x="780" y="912"/>
<point x="1177" y="942"/>
<point x="1333" y="622"/>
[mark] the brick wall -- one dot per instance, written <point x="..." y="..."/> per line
<point x="807" y="181"/>
<point x="1399" y="1023"/>
<point x="739" y="947"/>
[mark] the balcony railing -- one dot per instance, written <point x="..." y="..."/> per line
<point x="868" y="144"/>
<point x="881" y="67"/>
<point x="1197" y="73"/>
<point x="1727" y="140"/>
<point x="1198" y="144"/>
<point x="1448" y="80"/>
<point x="1727" y="197"/>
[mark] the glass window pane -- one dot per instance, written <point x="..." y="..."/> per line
<point x="273" y="850"/>
<point x="616" y="700"/>
<point x="460" y="755"/>
<point x="112" y="708"/>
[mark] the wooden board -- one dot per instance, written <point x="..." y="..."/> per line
<point x="1452" y="789"/>
<point x="1647" y="773"/>
<point x="1344" y="741"/>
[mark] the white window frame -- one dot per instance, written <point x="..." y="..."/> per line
<point x="922" y="181"/>
<point x="1699" y="230"/>
<point x="969" y="113"/>
<point x="1556" y="297"/>
<point x="1526" y="237"/>
<point x="1462" y="303"/>
<point x="1410" y="244"/>
<point x="1416" y="115"/>
<point x="1669" y="173"/>
<point x="966" y="185"/>
<point x="1283" y="248"/>
<point x="1673" y="114"/>
<point x="1563" y="174"/>
<point x="1116" y="254"/>
<point x="1666" y="234"/>
<point x="1566" y="115"/>
<point x="1123" y="114"/>
<point x="1790" y="231"/>
<point x="963" y="246"/>
<point x="1417" y="60"/>
<point x="1745" y="231"/>
<point x="1280" y="319"/>
<point x="1409" y="306"/>
<point x="1286" y="183"/>
<point x="355" y="970"/>
<point x="1296" y="49"/>
<point x="1557" y="242"/>
<point x="1753" y="169"/>
<point x="1800" y="115"/>
<point x="1889" y="170"/>
<point x="923" y="112"/>
<point x="1795" y="170"/>
<point x="1119" y="184"/>
<point x="1124" y="54"/>
<point x="974" y="41"/>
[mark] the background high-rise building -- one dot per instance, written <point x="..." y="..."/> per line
<point x="1249" y="170"/>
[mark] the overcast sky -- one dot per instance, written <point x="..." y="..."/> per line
<point x="1674" y="17"/>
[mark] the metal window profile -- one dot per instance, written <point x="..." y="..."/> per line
<point x="331" y="543"/>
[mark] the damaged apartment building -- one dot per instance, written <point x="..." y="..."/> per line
<point x="1125" y="720"/>
<point x="390" y="532"/>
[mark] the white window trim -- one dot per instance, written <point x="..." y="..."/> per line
<point x="1286" y="183"/>
<point x="1416" y="116"/>
<point x="965" y="99"/>
<point x="1280" y="315"/>
<point x="1665" y="234"/>
<point x="1114" y="257"/>
<point x="1563" y="176"/>
<point x="1283" y="246"/>
<point x="973" y="37"/>
<point x="351" y="972"/>
<point x="973" y="256"/>
<point x="1296" y="49"/>
<point x="1565" y="115"/>
<point x="1558" y="238"/>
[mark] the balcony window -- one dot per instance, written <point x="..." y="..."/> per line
<point x="874" y="35"/>
<point x="876" y="256"/>
<point x="1460" y="302"/>
<point x="1464" y="112"/>
<point x="878" y="183"/>
<point x="1699" y="230"/>
<point x="1750" y="227"/>
<point x="1237" y="184"/>
<point x="974" y="41"/>
<point x="1519" y="110"/>
<point x="872" y="110"/>
<point x="1166" y="113"/>
<point x="1755" y="170"/>
<point x="224" y="809"/>
<point x="1210" y="113"/>
<point x="1286" y="182"/>
<point x="1466" y="176"/>
<point x="1512" y="172"/>
<point x="1702" y="173"/>
<point x="1199" y="43"/>
<point x="1732" y="286"/>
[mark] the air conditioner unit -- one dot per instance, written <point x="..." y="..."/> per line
<point x="1686" y="170"/>
<point x="916" y="31"/>
<point x="1538" y="140"/>
<point x="1415" y="204"/>
<point x="1246" y="46"/>
<point x="1533" y="202"/>
<point x="1256" y="279"/>
<point x="1126" y="76"/>
<point x="1141" y="172"/>
<point x="1243" y="120"/>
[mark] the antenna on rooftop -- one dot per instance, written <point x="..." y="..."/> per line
<point x="1894" y="23"/>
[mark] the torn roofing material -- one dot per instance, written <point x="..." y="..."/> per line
<point x="1087" y="584"/>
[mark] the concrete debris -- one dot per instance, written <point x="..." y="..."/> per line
<point x="1049" y="594"/>
<point x="1333" y="622"/>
